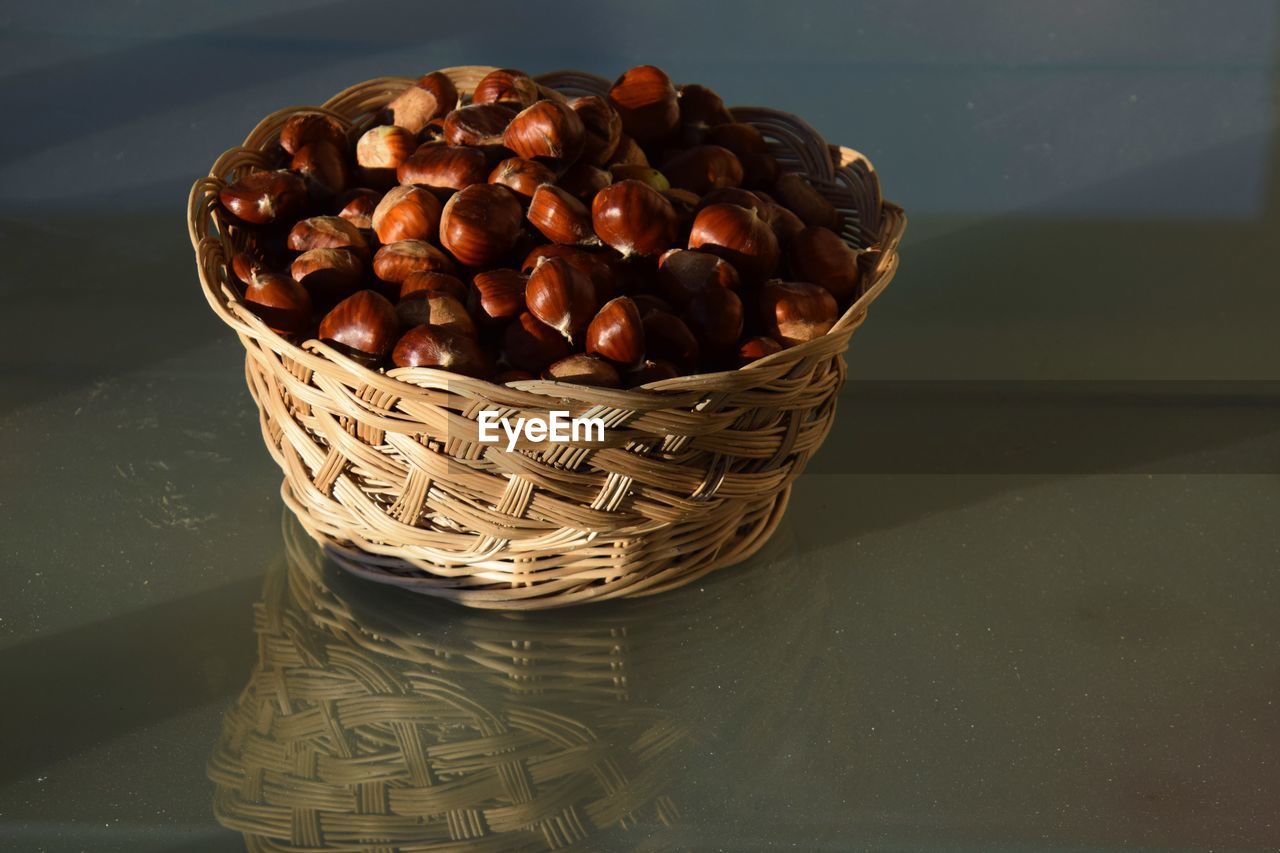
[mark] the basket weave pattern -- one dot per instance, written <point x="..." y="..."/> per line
<point x="694" y="473"/>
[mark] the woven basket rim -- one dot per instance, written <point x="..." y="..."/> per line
<point x="892" y="225"/>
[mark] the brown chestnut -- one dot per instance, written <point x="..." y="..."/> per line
<point x="650" y="370"/>
<point x="703" y="168"/>
<point x="477" y="124"/>
<point x="439" y="84"/>
<point x="521" y="176"/>
<point x="602" y="128"/>
<point x="628" y="153"/>
<point x="591" y="264"/>
<point x="793" y="191"/>
<point x="395" y="262"/>
<point x="583" y="182"/>
<point x="262" y="198"/>
<point x="382" y="149"/>
<point x="738" y="235"/>
<point x="617" y="332"/>
<point x="634" y="218"/>
<point x="560" y="217"/>
<point x="328" y="274"/>
<point x="407" y="213"/>
<point x="715" y="317"/>
<point x="668" y="338"/>
<point x="323" y="168"/>
<point x="759" y="167"/>
<point x="644" y="174"/>
<point x="443" y="349"/>
<point x="561" y="296"/>
<point x="734" y="195"/>
<point x="757" y="347"/>
<point x="246" y="265"/>
<point x="302" y="129"/>
<point x="417" y="283"/>
<point x="700" y="109"/>
<point x="796" y="312"/>
<point x="683" y="272"/>
<point x="548" y="130"/>
<point x="819" y="256"/>
<point x="498" y="294"/>
<point x="326" y="232"/>
<point x="435" y="309"/>
<point x="416" y="106"/>
<point x="481" y="224"/>
<point x="280" y="302"/>
<point x="363" y="325"/>
<point x="357" y="207"/>
<point x="582" y="369"/>
<point x="444" y="167"/>
<point x="646" y="102"/>
<point x="506" y="86"/>
<point x="785" y="224"/>
<point x="530" y="344"/>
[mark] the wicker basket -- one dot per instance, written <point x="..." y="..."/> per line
<point x="373" y="724"/>
<point x="694" y="473"/>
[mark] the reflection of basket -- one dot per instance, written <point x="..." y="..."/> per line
<point x="694" y="472"/>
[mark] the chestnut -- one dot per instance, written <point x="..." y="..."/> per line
<point x="406" y="213"/>
<point x="548" y="130"/>
<point x="323" y="168"/>
<point x="302" y="129"/>
<point x="785" y="224"/>
<point x="602" y="128"/>
<point x="703" y="168"/>
<point x="650" y="304"/>
<point x="506" y="86"/>
<point x="363" y="325"/>
<point x="328" y="274"/>
<point x="668" y="338"/>
<point x="262" y="198"/>
<point x="561" y="296"/>
<point x="617" y="332"/>
<point x="715" y="317"/>
<point x="326" y="232"/>
<point x="795" y="192"/>
<point x="245" y="265"/>
<point x="382" y="149"/>
<point x="444" y="167"/>
<point x="684" y="272"/>
<point x="279" y="301"/>
<point x="583" y="182"/>
<point x="530" y="344"/>
<point x="650" y="370"/>
<point x="819" y="256"/>
<point x="481" y="224"/>
<point x="498" y="294"/>
<point x="439" y="84"/>
<point x="644" y="174"/>
<point x="443" y="349"/>
<point x="433" y="96"/>
<point x="593" y="265"/>
<point x="435" y="309"/>
<point x="738" y="235"/>
<point x="357" y="207"/>
<point x="560" y="217"/>
<point x="796" y="312"/>
<point x="477" y="124"/>
<point x="700" y="109"/>
<point x="757" y="347"/>
<point x="634" y="218"/>
<point x="417" y="283"/>
<point x="395" y="262"/>
<point x="646" y="102"/>
<point x="521" y="176"/>
<point x="734" y="195"/>
<point x="582" y="369"/>
<point x="628" y="153"/>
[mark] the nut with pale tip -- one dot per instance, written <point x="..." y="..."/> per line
<point x="740" y="236"/>
<point x="531" y="345"/>
<point x="406" y="213"/>
<point x="796" y="312"/>
<point x="634" y="218"/>
<point x="667" y="337"/>
<point x="481" y="224"/>
<point x="498" y="295"/>
<point x="435" y="309"/>
<point x="381" y="150"/>
<point x="444" y="167"/>
<point x="279" y="301"/>
<point x="602" y="128"/>
<point x="684" y="272"/>
<point x="265" y="197"/>
<point x="560" y="217"/>
<point x="521" y="176"/>
<point x="357" y="207"/>
<point x="592" y="264"/>
<point x="323" y="168"/>
<point x="432" y="97"/>
<point x="548" y="131"/>
<point x="395" y="262"/>
<point x="561" y="296"/>
<point x="646" y="102"/>
<point x="303" y="128"/>
<point x="477" y="124"/>
<point x="819" y="256"/>
<point x="506" y="86"/>
<point x="326" y="232"/>
<point x="617" y="333"/>
<point x="442" y="349"/>
<point x="328" y="274"/>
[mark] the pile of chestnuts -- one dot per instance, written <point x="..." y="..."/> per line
<point x="520" y="234"/>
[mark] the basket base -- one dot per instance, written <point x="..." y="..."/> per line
<point x="549" y="587"/>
